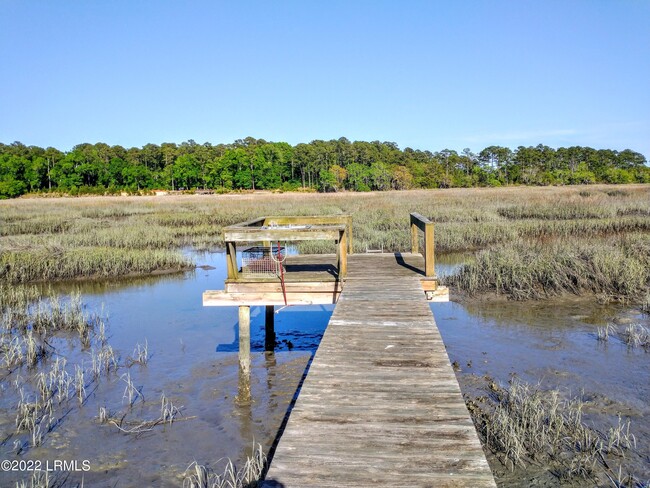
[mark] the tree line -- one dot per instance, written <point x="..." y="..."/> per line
<point x="320" y="165"/>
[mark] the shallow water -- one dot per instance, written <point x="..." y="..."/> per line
<point x="193" y="361"/>
<point x="554" y="344"/>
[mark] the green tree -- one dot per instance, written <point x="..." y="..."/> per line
<point x="379" y="176"/>
<point x="327" y="180"/>
<point x="358" y="177"/>
<point x="136" y="177"/>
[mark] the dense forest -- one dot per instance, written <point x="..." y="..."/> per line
<point x="319" y="165"/>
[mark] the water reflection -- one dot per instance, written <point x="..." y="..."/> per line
<point x="448" y="263"/>
<point x="297" y="328"/>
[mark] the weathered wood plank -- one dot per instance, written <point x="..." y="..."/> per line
<point x="221" y="298"/>
<point x="290" y="286"/>
<point x="381" y="405"/>
<point x="315" y="220"/>
<point x="259" y="234"/>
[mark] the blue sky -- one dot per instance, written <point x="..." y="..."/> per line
<point x="427" y="75"/>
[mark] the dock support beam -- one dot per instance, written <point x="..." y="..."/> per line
<point x="269" y="329"/>
<point x="244" y="386"/>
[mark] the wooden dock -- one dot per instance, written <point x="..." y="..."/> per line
<point x="381" y="405"/>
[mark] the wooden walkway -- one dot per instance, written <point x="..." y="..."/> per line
<point x="381" y="405"/>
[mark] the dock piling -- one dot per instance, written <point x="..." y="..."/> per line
<point x="269" y="328"/>
<point x="244" y="385"/>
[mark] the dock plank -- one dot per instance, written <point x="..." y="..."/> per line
<point x="381" y="405"/>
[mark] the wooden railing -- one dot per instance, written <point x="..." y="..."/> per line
<point x="278" y="228"/>
<point x="315" y="220"/>
<point x="418" y="222"/>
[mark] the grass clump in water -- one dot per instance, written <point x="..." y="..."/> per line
<point x="633" y="335"/>
<point x="524" y="425"/>
<point x="248" y="476"/>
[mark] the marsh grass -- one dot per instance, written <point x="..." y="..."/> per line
<point x="90" y="262"/>
<point x="112" y="237"/>
<point x="532" y="243"/>
<point x="26" y="348"/>
<point x="79" y="383"/>
<point x="140" y="355"/>
<point x="523" y="424"/>
<point x="248" y="476"/>
<point x="618" y="268"/>
<point x="103" y="360"/>
<point x="36" y="225"/>
<point x="133" y="236"/>
<point x="50" y="389"/>
<point x="17" y="296"/>
<point x="604" y="332"/>
<point x="570" y="211"/>
<point x="26" y="325"/>
<point x="168" y="411"/>
<point x="39" y="479"/>
<point x="636" y="335"/>
<point x="620" y="479"/>
<point x="104" y="415"/>
<point x="632" y="335"/>
<point x="132" y="393"/>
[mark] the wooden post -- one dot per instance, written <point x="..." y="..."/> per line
<point x="245" y="337"/>
<point x="349" y="219"/>
<point x="244" y="384"/>
<point x="429" y="250"/>
<point x="418" y="222"/>
<point x="231" y="261"/>
<point x="414" y="238"/>
<point x="269" y="329"/>
<point x="342" y="255"/>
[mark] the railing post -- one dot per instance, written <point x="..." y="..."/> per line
<point x="342" y="254"/>
<point x="418" y="222"/>
<point x="349" y="219"/>
<point x="429" y="250"/>
<point x="414" y="237"/>
<point x="231" y="260"/>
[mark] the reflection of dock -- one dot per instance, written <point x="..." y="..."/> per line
<point x="381" y="405"/>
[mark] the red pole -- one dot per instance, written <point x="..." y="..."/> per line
<point x="284" y="290"/>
